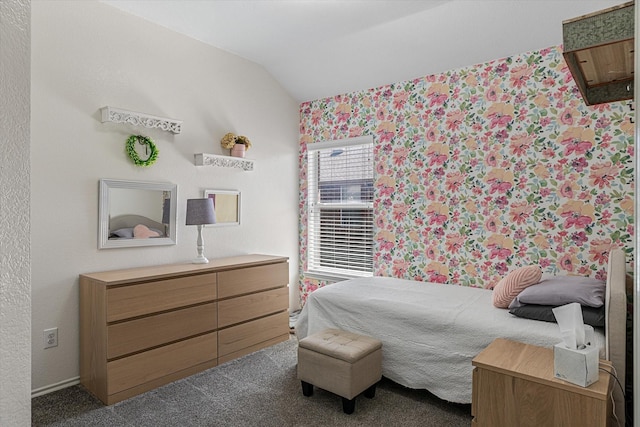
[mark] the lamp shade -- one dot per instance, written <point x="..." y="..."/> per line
<point x="200" y="212"/>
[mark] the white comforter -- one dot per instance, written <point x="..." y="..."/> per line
<point x="430" y="332"/>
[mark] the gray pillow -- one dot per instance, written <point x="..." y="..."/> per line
<point x="560" y="290"/>
<point x="126" y="233"/>
<point x="590" y="315"/>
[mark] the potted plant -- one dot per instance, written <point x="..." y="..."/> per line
<point x="238" y="144"/>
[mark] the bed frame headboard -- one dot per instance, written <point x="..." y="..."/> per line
<point x="124" y="221"/>
<point x="616" y="326"/>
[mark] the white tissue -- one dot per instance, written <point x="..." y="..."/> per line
<point x="589" y="335"/>
<point x="572" y="330"/>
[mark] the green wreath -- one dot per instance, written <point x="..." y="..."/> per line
<point x="133" y="154"/>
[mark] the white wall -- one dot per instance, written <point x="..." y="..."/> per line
<point x="15" y="309"/>
<point x="86" y="55"/>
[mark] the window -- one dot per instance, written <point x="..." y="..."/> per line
<point x="340" y="203"/>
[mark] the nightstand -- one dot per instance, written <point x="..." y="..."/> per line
<point x="514" y="386"/>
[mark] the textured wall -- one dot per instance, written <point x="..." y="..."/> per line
<point x="87" y="55"/>
<point x="486" y="168"/>
<point x="15" y="278"/>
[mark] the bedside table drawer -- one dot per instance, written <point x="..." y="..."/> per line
<point x="124" y="302"/>
<point x="514" y="385"/>
<point x="146" y="332"/>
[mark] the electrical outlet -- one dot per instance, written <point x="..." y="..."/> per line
<point x="51" y="337"/>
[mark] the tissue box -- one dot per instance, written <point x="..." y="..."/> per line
<point x="576" y="366"/>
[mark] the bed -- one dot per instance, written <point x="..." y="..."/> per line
<point x="431" y="332"/>
<point x="124" y="227"/>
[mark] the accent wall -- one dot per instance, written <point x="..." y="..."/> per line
<point x="486" y="168"/>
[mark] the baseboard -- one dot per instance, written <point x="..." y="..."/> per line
<point x="55" y="387"/>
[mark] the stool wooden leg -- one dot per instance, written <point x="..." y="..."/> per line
<point x="348" y="405"/>
<point x="371" y="391"/>
<point x="307" y="389"/>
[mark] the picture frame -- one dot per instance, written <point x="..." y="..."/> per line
<point x="227" y="207"/>
<point x="124" y="204"/>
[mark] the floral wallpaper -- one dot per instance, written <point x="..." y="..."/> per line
<point x="484" y="169"/>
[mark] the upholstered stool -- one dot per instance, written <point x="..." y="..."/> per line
<point x="340" y="362"/>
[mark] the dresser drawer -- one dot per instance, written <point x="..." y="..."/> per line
<point x="124" y="302"/>
<point x="146" y="332"/>
<point x="248" y="307"/>
<point x="248" y="334"/>
<point x="151" y="365"/>
<point x="252" y="279"/>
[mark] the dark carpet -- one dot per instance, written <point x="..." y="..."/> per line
<point x="259" y="389"/>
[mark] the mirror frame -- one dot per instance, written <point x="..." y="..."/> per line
<point x="104" y="212"/>
<point x="208" y="193"/>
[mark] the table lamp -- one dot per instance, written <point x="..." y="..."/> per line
<point x="200" y="212"/>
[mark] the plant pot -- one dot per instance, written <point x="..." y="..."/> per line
<point x="238" y="150"/>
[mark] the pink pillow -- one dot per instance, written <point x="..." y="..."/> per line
<point x="515" y="282"/>
<point x="143" y="232"/>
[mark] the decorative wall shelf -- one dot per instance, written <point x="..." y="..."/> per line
<point x="598" y="49"/>
<point x="118" y="115"/>
<point x="203" y="159"/>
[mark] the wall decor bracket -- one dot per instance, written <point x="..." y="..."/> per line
<point x="118" y="115"/>
<point x="203" y="159"/>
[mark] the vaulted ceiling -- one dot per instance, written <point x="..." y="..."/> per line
<point x="321" y="48"/>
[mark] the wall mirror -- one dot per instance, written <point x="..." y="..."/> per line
<point x="226" y="205"/>
<point x="135" y="213"/>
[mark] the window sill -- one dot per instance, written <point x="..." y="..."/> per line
<point x="333" y="276"/>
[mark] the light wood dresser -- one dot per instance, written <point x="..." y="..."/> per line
<point x="514" y="386"/>
<point x="144" y="327"/>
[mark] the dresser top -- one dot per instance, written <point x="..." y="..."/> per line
<point x="115" y="277"/>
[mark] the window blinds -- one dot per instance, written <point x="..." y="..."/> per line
<point x="340" y="202"/>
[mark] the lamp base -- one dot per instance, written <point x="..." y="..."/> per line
<point x="200" y="260"/>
